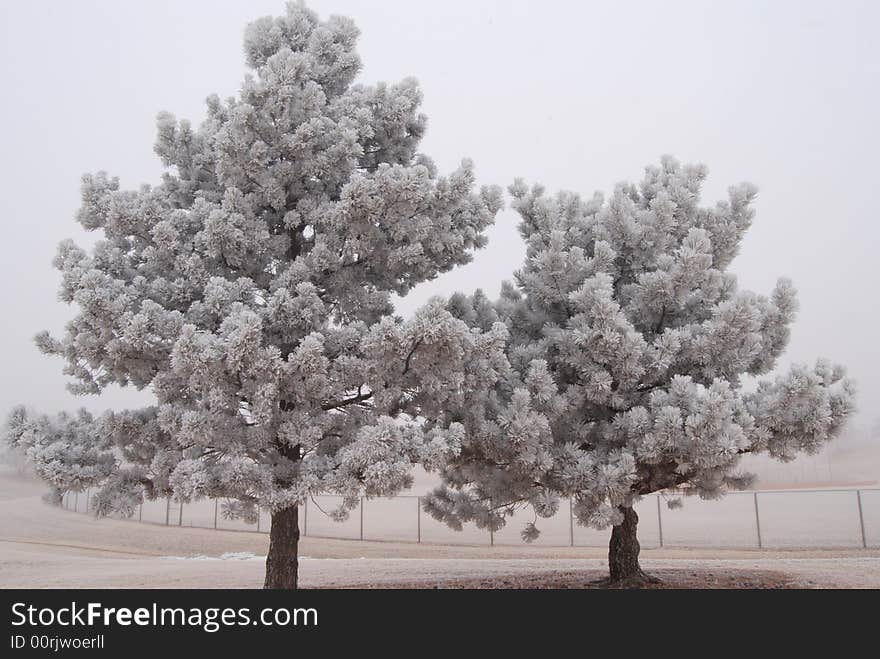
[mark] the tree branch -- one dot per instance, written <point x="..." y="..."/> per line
<point x="644" y="388"/>
<point x="659" y="325"/>
<point x="345" y="402"/>
<point x="410" y="355"/>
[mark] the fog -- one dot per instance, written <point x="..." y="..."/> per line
<point x="573" y="95"/>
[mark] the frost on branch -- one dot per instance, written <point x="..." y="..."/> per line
<point x="65" y="450"/>
<point x="250" y="290"/>
<point x="623" y="373"/>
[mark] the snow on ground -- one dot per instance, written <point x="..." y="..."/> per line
<point x="55" y="567"/>
<point x="226" y="556"/>
<point x="45" y="547"/>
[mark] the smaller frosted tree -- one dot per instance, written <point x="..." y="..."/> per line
<point x="628" y="367"/>
<point x="250" y="292"/>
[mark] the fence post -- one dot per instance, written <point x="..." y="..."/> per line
<point x="362" y="518"/>
<point x="660" y="520"/>
<point x="258" y="520"/>
<point x="180" y="515"/>
<point x="88" y="496"/>
<point x="491" y="530"/>
<point x="419" y="520"/>
<point x="758" y="521"/>
<point x="861" y="519"/>
<point x="216" y="506"/>
<point x="571" y="521"/>
<point x="76" y="502"/>
<point x="141" y="511"/>
<point x="306" y="517"/>
<point x="167" y="510"/>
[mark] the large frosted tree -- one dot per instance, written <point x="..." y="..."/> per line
<point x="630" y="362"/>
<point x="250" y="292"/>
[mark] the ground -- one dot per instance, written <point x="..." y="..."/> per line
<point x="46" y="547"/>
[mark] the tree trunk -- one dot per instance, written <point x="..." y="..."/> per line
<point x="282" y="564"/>
<point x="623" y="554"/>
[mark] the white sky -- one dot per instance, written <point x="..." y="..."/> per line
<point x="572" y="95"/>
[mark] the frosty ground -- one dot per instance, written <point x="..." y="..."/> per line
<point x="46" y="547"/>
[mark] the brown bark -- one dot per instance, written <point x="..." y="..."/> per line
<point x="282" y="563"/>
<point x="623" y="554"/>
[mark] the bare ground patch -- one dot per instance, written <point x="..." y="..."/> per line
<point x="671" y="579"/>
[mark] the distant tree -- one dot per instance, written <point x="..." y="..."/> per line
<point x="627" y="365"/>
<point x="251" y="293"/>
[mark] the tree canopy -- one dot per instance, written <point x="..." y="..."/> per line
<point x="632" y="361"/>
<point x="250" y="291"/>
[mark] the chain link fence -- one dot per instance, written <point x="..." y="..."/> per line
<point x="784" y="519"/>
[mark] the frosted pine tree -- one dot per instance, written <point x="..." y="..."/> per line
<point x="250" y="292"/>
<point x="630" y="365"/>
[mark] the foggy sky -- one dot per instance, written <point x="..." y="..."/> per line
<point x="573" y="95"/>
